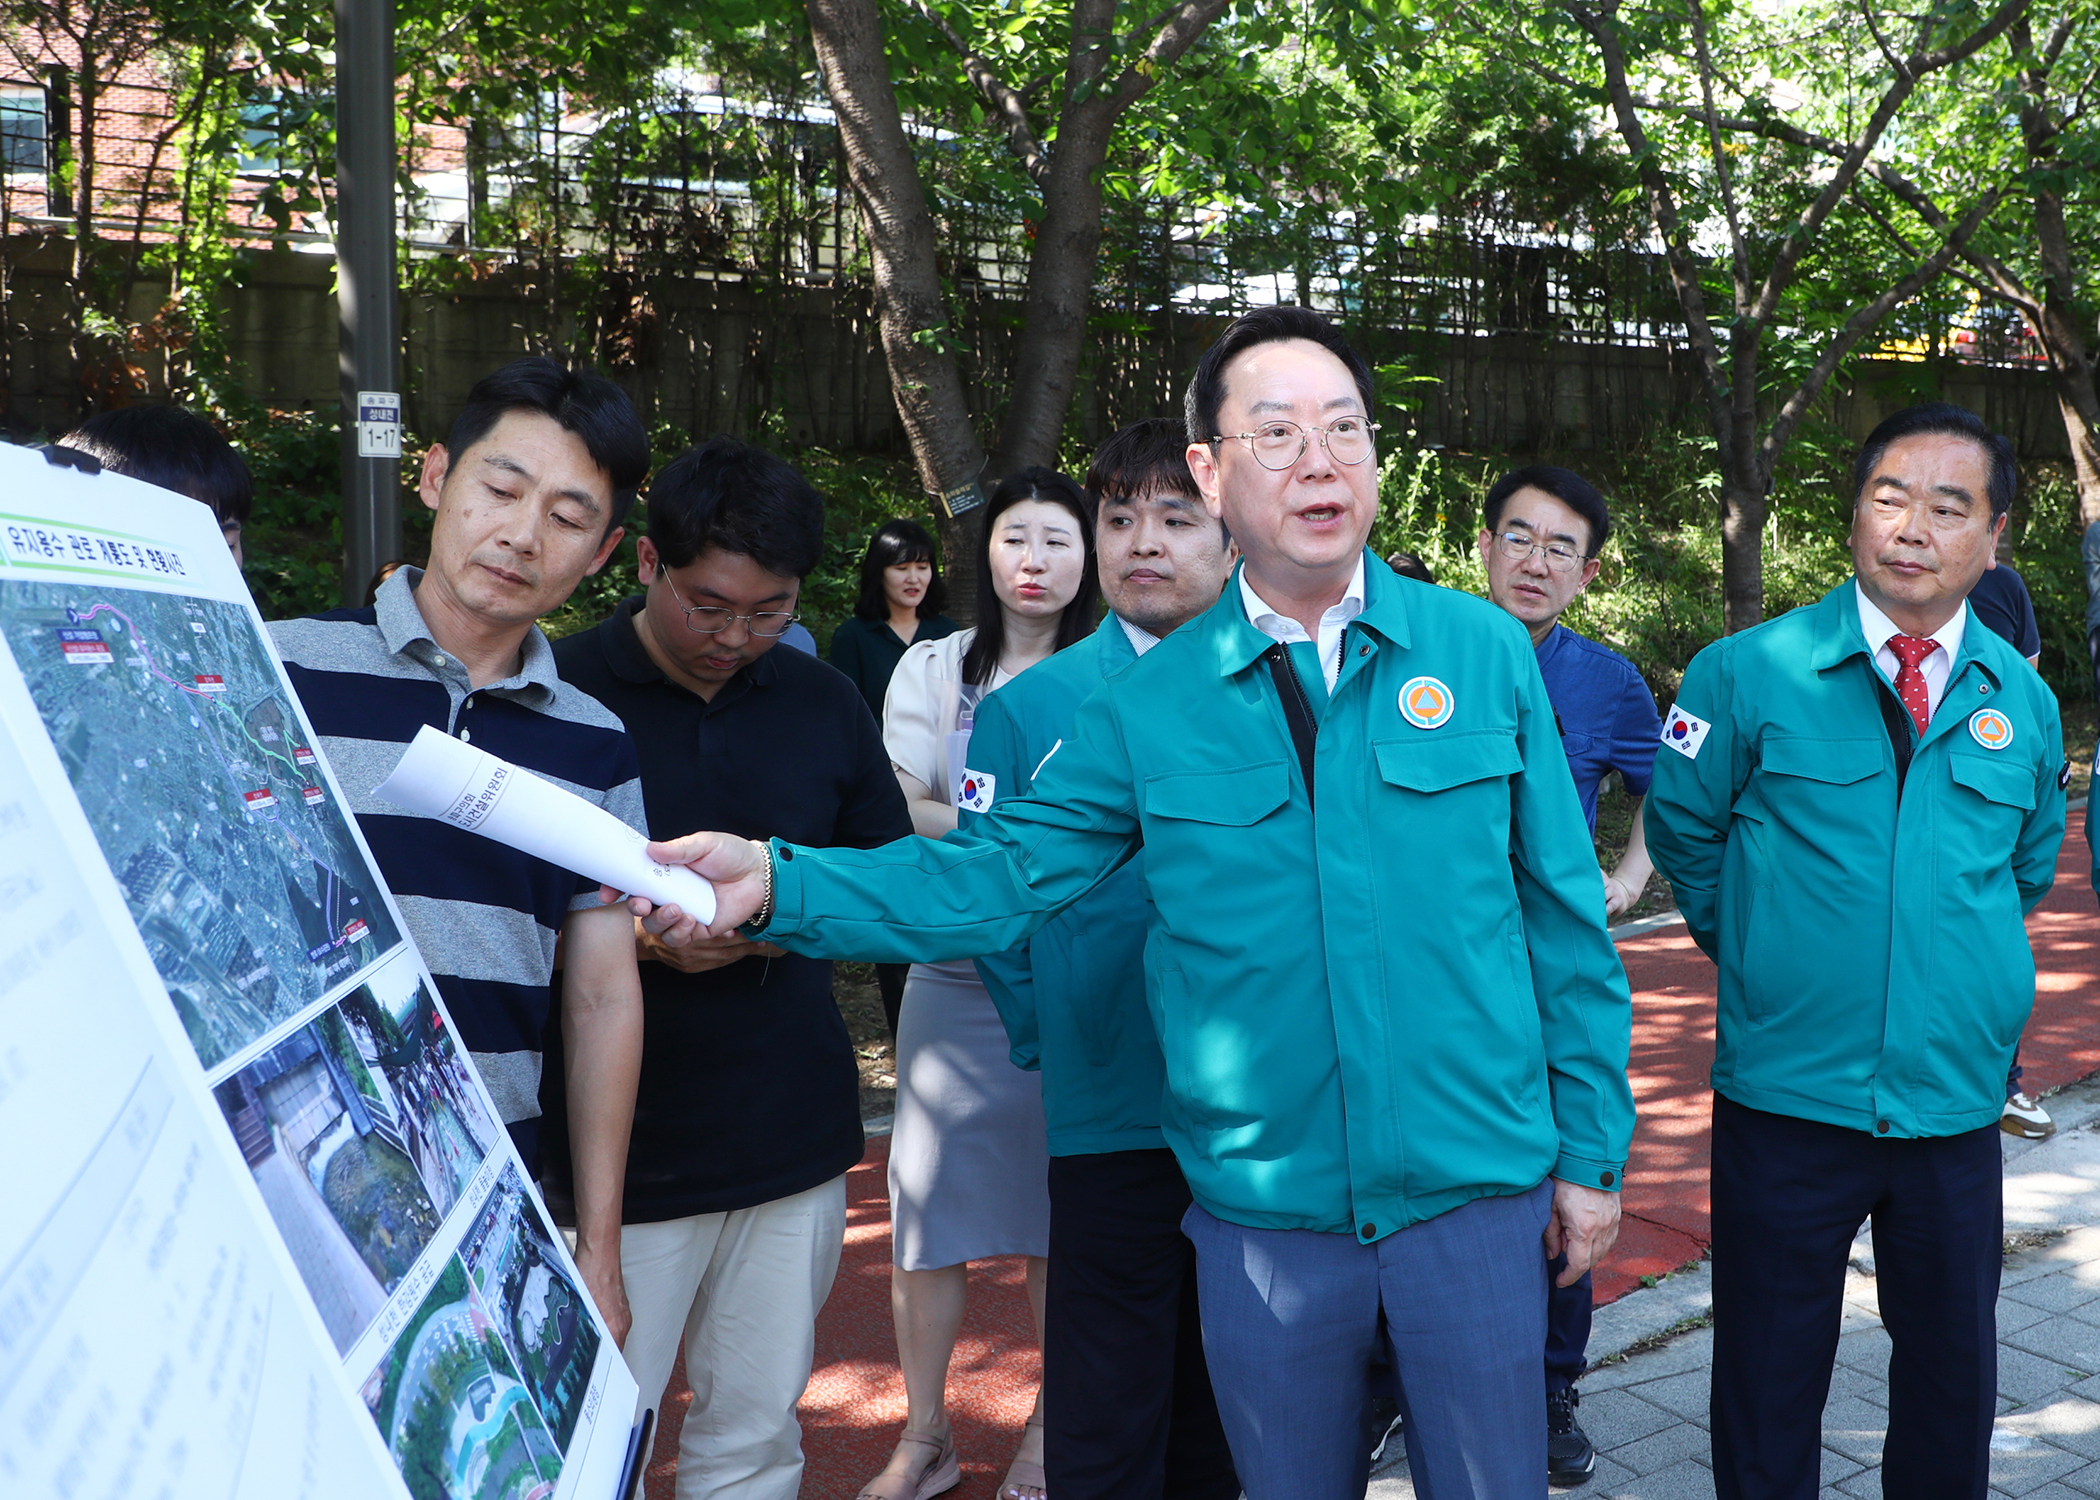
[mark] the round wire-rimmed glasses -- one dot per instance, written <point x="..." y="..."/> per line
<point x="711" y="619"/>
<point x="1279" y="444"/>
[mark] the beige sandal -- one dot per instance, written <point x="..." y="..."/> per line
<point x="943" y="1472"/>
<point x="1022" y="1475"/>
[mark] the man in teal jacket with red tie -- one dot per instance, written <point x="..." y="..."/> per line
<point x="1858" y="803"/>
<point x="1393" y="1026"/>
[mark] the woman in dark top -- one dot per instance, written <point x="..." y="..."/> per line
<point x="901" y="595"/>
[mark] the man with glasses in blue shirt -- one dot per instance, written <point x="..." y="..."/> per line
<point x="1542" y="528"/>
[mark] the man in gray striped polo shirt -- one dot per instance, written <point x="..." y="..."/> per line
<point x="529" y="492"/>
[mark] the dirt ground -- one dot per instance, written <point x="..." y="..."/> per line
<point x="860" y="1002"/>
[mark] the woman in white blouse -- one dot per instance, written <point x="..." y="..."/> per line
<point x="969" y="1158"/>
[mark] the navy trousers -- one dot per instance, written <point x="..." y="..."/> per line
<point x="1127" y="1404"/>
<point x="1290" y="1317"/>
<point x="1788" y="1197"/>
<point x="1568" y="1310"/>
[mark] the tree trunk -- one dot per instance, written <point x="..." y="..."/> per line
<point x="82" y="266"/>
<point x="917" y="342"/>
<point x="1744" y="473"/>
<point x="2062" y="339"/>
<point x="1067" y="248"/>
<point x="1742" y="551"/>
<point x="2070" y="364"/>
<point x="1053" y="325"/>
<point x="2082" y="430"/>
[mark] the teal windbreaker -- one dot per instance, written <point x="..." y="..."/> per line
<point x="1370" y="1014"/>
<point x="1073" y="996"/>
<point x="1874" y="965"/>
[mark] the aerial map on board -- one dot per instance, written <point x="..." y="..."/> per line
<point x="451" y="1407"/>
<point x="238" y="867"/>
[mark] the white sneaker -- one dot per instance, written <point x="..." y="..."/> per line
<point x="2026" y="1119"/>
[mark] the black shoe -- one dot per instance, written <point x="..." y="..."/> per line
<point x="1570" y="1460"/>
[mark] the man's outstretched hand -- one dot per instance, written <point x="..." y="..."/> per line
<point x="735" y="867"/>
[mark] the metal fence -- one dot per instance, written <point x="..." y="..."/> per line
<point x="699" y="183"/>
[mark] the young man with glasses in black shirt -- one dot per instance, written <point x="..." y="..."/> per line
<point x="748" y="1114"/>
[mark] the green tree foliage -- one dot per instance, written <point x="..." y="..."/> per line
<point x="1778" y="271"/>
<point x="2023" y="122"/>
<point x="1831" y="197"/>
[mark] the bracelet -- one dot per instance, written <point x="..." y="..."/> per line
<point x="764" y="914"/>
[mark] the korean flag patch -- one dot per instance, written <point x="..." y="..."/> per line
<point x="1684" y="733"/>
<point x="976" y="791"/>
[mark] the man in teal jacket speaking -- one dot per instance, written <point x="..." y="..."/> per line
<point x="1127" y="1402"/>
<point x="1858" y="803"/>
<point x="1394" y="1028"/>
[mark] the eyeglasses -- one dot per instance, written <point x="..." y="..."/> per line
<point x="1278" y="445"/>
<point x="1517" y="547"/>
<point x="709" y="619"/>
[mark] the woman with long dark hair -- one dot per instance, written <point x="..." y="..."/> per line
<point x="970" y="1156"/>
<point x="900" y="603"/>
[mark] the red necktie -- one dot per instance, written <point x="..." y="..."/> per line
<point x="1910" y="682"/>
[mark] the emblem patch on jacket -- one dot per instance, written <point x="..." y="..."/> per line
<point x="1990" y="729"/>
<point x="1684" y="732"/>
<point x="976" y="791"/>
<point x="1425" y="702"/>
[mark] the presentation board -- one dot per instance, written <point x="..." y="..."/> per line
<point x="265" y="1235"/>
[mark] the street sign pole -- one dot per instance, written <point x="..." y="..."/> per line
<point x="365" y="281"/>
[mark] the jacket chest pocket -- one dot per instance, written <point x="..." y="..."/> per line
<point x="1991" y="796"/>
<point x="1461" y="781"/>
<point x="1433" y="763"/>
<point x="1797" y="776"/>
<point x="1235" y="798"/>
<point x="1203" y="830"/>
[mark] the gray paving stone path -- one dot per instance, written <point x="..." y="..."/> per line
<point x="1647" y="1411"/>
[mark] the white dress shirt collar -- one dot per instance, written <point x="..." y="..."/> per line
<point x="1141" y="639"/>
<point x="1333" y="624"/>
<point x="1879" y="628"/>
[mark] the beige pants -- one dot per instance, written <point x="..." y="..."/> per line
<point x="742" y="1290"/>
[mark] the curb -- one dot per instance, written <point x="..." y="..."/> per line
<point x="1639" y="925"/>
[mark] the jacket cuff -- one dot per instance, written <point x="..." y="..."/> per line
<point x="787" y="895"/>
<point x="1589" y="1172"/>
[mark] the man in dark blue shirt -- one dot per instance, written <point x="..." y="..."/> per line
<point x="1542" y="528"/>
<point x="2002" y="602"/>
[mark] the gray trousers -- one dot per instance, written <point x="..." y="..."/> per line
<point x="1291" y="1316"/>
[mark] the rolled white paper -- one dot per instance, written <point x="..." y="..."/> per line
<point x="441" y="777"/>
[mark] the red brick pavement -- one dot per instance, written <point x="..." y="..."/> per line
<point x="856" y="1400"/>
<point x="1665" y="1205"/>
